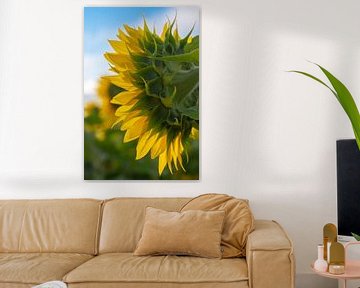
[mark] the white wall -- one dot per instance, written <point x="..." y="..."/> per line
<point x="266" y="135"/>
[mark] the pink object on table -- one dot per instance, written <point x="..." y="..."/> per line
<point x="352" y="271"/>
<point x="352" y="268"/>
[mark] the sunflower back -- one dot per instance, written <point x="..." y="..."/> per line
<point x="158" y="102"/>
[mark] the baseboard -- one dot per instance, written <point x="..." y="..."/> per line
<point x="309" y="280"/>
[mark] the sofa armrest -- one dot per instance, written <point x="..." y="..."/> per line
<point x="269" y="256"/>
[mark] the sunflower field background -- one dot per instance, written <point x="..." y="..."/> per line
<point x="141" y="93"/>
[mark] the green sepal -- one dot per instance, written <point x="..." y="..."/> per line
<point x="140" y="61"/>
<point x="148" y="73"/>
<point x="191" y="112"/>
<point x="153" y="87"/>
<point x="146" y="103"/>
<point x="158" y="118"/>
<point x="194" y="44"/>
<point x="174" y="118"/>
<point x="186" y="82"/>
<point x="192" y="57"/>
<point x="183" y="42"/>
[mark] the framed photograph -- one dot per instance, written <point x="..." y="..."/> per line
<point x="141" y="93"/>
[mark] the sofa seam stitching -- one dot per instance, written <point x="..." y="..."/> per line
<point x="98" y="228"/>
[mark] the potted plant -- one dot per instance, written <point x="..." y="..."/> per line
<point x="345" y="99"/>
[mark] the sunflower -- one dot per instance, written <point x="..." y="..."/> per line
<point x="159" y="103"/>
<point x="101" y="111"/>
<point x="105" y="92"/>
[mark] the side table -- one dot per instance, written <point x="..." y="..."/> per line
<point x="352" y="268"/>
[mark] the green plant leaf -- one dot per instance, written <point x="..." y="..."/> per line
<point x="344" y="97"/>
<point x="316" y="79"/>
<point x="347" y="102"/>
<point x="356" y="236"/>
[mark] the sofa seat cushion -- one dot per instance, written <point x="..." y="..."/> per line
<point x="36" y="268"/>
<point x="15" y="285"/>
<point x="125" y="267"/>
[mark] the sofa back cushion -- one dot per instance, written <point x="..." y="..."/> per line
<point x="123" y="220"/>
<point x="238" y="224"/>
<point x="67" y="226"/>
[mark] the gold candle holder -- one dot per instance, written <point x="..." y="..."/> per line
<point x="337" y="258"/>
<point x="329" y="237"/>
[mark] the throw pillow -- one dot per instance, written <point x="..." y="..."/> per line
<point x="193" y="232"/>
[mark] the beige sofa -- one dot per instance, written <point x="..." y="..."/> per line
<point x="89" y="243"/>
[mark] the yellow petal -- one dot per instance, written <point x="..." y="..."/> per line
<point x="116" y="122"/>
<point x="124" y="108"/>
<point x="122" y="117"/>
<point x="162" y="162"/>
<point x="174" y="156"/>
<point x="133" y="32"/>
<point x="126" y="115"/>
<point x="119" y="46"/>
<point x="131" y="122"/>
<point x="155" y="149"/>
<point x="194" y="133"/>
<point x="121" y="81"/>
<point x="135" y="131"/>
<point x="169" y="158"/>
<point x="122" y="36"/>
<point x="125" y="97"/>
<point x="143" y="139"/>
<point x="181" y="147"/>
<point x="145" y="143"/>
<point x="176" y="34"/>
<point x="159" y="147"/>
<point x="114" y="69"/>
<point x="176" y="149"/>
<point x="163" y="33"/>
<point x="131" y="43"/>
<point x="177" y="145"/>
<point x="180" y="161"/>
<point x="133" y="114"/>
<point x="119" y="60"/>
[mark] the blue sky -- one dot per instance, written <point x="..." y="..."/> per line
<point x="102" y="24"/>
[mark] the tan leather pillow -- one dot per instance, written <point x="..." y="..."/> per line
<point x="239" y="220"/>
<point x="196" y="233"/>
